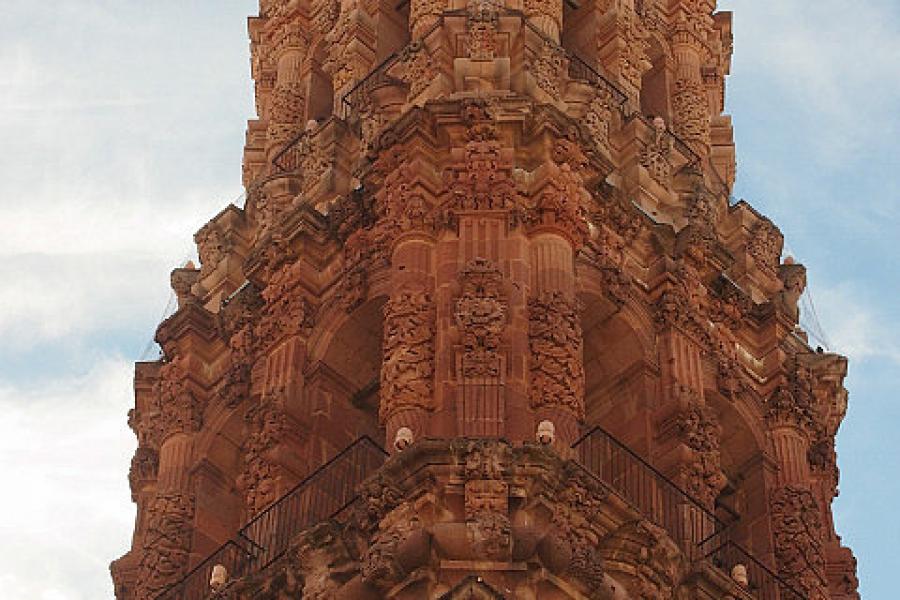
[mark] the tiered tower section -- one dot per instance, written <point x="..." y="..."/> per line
<point x="467" y="223"/>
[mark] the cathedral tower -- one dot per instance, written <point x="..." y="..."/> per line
<point x="489" y="325"/>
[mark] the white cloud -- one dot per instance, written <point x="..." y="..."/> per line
<point x="65" y="447"/>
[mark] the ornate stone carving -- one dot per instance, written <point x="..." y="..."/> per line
<point x="656" y="156"/>
<point x="354" y="284"/>
<point x="379" y="565"/>
<point x="798" y="532"/>
<point x="418" y="68"/>
<point x="179" y="410"/>
<point x="144" y="467"/>
<point x="266" y="422"/>
<point x="407" y="372"/>
<point x="546" y="15"/>
<point x="325" y="15"/>
<point x="764" y="246"/>
<point x="554" y="338"/>
<point x="702" y="478"/>
<point x="212" y="247"/>
<point x="691" y="110"/>
<point x="424" y="13"/>
<point x="166" y="543"/>
<point x="487" y="520"/>
<point x="792" y="403"/>
<point x="482" y="21"/>
<point x="482" y="181"/>
<point x="547" y="68"/>
<point x="562" y="203"/>
<point x="287" y="307"/>
<point x="480" y="313"/>
<point x="598" y="120"/>
<point x="286" y="113"/>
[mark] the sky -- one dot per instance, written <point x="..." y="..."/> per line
<point x="121" y="128"/>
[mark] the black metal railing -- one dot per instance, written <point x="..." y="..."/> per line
<point x="762" y="582"/>
<point x="320" y="496"/>
<point x="699" y="532"/>
<point x="687" y="521"/>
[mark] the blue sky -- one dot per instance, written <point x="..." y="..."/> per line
<point x="121" y="126"/>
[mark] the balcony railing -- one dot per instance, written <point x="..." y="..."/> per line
<point x="700" y="533"/>
<point x="318" y="497"/>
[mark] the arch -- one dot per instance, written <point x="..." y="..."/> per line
<point x="620" y="368"/>
<point x="655" y="96"/>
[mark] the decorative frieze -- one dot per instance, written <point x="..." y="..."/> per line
<point x="798" y="533"/>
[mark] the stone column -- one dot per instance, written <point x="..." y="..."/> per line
<point x="288" y="104"/>
<point x="410" y="329"/>
<point x="796" y="515"/>
<point x="556" y="362"/>
<point x="690" y="105"/>
<point x="168" y="531"/>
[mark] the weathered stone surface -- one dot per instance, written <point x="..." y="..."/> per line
<point x="459" y="230"/>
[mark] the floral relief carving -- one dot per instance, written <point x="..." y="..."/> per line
<point x="563" y="201"/>
<point x="656" y="155"/>
<point x="698" y="428"/>
<point x="598" y="120"/>
<point x="166" y="544"/>
<point x="144" y="467"/>
<point x="482" y="21"/>
<point x="425" y="13"/>
<point x="354" y="285"/>
<point x="799" y="533"/>
<point x="180" y="411"/>
<point x="325" y="15"/>
<point x="266" y="422"/>
<point x="407" y="372"/>
<point x="482" y="181"/>
<point x="792" y="403"/>
<point x="418" y="68"/>
<point x="764" y="246"/>
<point x="547" y="68"/>
<point x="480" y="313"/>
<point x="286" y="112"/>
<point x="691" y="110"/>
<point x="555" y="341"/>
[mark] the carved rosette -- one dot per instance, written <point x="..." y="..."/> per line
<point x="480" y="313"/>
<point x="407" y="371"/>
<point x="556" y="365"/>
<point x="799" y="533"/>
<point x="258" y="481"/>
<point x="166" y="544"/>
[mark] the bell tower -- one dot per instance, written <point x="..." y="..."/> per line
<point x="489" y="325"/>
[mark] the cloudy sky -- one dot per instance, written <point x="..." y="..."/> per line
<point x="121" y="125"/>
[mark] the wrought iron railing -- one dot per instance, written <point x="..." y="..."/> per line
<point x="762" y="583"/>
<point x="699" y="532"/>
<point x="320" y="496"/>
<point x="687" y="521"/>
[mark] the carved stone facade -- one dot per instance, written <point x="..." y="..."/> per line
<point x="488" y="326"/>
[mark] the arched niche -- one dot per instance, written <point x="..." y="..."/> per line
<point x="620" y="369"/>
<point x="743" y="501"/>
<point x="655" y="96"/>
<point x="344" y="370"/>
